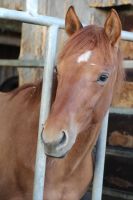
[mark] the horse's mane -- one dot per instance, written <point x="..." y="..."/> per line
<point x="88" y="38"/>
<point x="34" y="89"/>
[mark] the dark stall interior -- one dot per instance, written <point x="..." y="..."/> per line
<point x="118" y="173"/>
<point x="10" y="35"/>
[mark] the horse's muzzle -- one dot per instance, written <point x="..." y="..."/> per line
<point x="58" y="146"/>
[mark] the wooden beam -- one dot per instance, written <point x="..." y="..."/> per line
<point x="105" y="3"/>
<point x="15" y="4"/>
<point x="32" y="46"/>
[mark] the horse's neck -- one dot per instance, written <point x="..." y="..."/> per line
<point x="84" y="145"/>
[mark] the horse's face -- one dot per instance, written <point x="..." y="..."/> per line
<point x="85" y="84"/>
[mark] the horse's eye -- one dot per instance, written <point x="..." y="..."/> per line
<point x="102" y="78"/>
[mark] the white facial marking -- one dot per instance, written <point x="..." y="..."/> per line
<point x="92" y="64"/>
<point x="84" y="57"/>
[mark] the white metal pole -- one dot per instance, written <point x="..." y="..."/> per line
<point x="27" y="17"/>
<point x="100" y="159"/>
<point x="44" y="111"/>
<point x="32" y="6"/>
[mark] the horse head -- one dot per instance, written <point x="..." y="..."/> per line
<point x="87" y="72"/>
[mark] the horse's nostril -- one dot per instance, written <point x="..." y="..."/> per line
<point x="64" y="140"/>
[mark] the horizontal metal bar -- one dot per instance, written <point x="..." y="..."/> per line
<point x="31" y="18"/>
<point x="21" y="63"/>
<point x="44" y="20"/>
<point x="127" y="64"/>
<point x="118" y="193"/>
<point x="125" y="35"/>
<point x="124" y="153"/>
<point x="122" y="111"/>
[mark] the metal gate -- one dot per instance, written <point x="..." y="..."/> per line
<point x="54" y="24"/>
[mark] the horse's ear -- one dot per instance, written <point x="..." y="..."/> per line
<point x="72" y="22"/>
<point x="113" y="28"/>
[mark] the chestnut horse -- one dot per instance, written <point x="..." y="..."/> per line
<point x="89" y="72"/>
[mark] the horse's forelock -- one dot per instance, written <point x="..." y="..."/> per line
<point x="85" y="39"/>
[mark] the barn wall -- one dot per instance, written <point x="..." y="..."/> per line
<point x="32" y="47"/>
<point x="15" y="4"/>
<point x="109" y="3"/>
<point x="126" y="96"/>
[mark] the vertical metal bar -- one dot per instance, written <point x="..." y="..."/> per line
<point x="100" y="158"/>
<point x="32" y="6"/>
<point x="44" y="110"/>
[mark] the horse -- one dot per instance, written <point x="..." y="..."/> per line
<point x="89" y="74"/>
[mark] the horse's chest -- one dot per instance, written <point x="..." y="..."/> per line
<point x="64" y="184"/>
<point x="72" y="187"/>
<point x="62" y="193"/>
